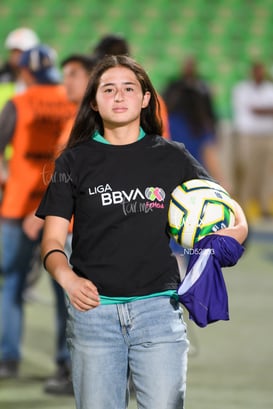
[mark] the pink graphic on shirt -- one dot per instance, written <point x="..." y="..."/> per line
<point x="155" y="193"/>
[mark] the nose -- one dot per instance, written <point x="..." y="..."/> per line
<point x="119" y="95"/>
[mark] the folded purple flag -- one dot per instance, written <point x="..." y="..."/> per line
<point x="203" y="290"/>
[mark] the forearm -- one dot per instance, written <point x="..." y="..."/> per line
<point x="56" y="262"/>
<point x="2" y="170"/>
<point x="32" y="226"/>
<point x="82" y="293"/>
<point x="266" y="111"/>
<point x="8" y="119"/>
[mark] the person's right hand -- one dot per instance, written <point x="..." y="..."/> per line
<point x="83" y="294"/>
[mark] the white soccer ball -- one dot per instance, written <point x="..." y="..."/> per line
<point x="197" y="208"/>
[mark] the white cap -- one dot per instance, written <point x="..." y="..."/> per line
<point x="21" y="39"/>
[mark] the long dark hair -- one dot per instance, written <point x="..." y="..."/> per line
<point x="88" y="121"/>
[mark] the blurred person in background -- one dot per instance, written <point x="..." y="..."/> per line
<point x="31" y="122"/>
<point x="76" y="69"/>
<point x="17" y="41"/>
<point x="189" y="77"/>
<point x="111" y="44"/>
<point x="192" y="121"/>
<point x="190" y="124"/>
<point x="252" y="101"/>
<point x="116" y="44"/>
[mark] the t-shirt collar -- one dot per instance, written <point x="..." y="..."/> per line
<point x="99" y="138"/>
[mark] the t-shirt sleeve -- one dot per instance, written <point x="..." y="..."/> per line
<point x="192" y="168"/>
<point x="58" y="199"/>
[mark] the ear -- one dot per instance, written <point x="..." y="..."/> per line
<point x="146" y="99"/>
<point x="94" y="106"/>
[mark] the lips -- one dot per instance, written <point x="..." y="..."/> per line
<point x="120" y="109"/>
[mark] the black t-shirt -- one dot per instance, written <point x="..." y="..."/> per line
<point x="119" y="196"/>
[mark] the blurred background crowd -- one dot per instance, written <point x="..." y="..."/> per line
<point x="218" y="42"/>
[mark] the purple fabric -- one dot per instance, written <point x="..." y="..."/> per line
<point x="203" y="291"/>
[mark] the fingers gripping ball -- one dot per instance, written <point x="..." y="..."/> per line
<point x="197" y="208"/>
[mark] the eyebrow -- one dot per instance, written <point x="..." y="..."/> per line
<point x="107" y="84"/>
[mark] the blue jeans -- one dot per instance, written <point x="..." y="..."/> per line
<point x="17" y="254"/>
<point x="145" y="338"/>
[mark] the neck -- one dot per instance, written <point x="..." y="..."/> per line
<point x="123" y="135"/>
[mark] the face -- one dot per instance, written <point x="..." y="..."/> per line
<point x="119" y="97"/>
<point x="258" y="72"/>
<point x="189" y="67"/>
<point x="75" y="79"/>
<point x="25" y="76"/>
<point x="14" y="57"/>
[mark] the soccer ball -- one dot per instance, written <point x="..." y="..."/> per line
<point x="197" y="208"/>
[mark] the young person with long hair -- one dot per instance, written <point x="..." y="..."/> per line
<point x="115" y="178"/>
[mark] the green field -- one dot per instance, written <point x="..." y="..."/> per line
<point x="232" y="367"/>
